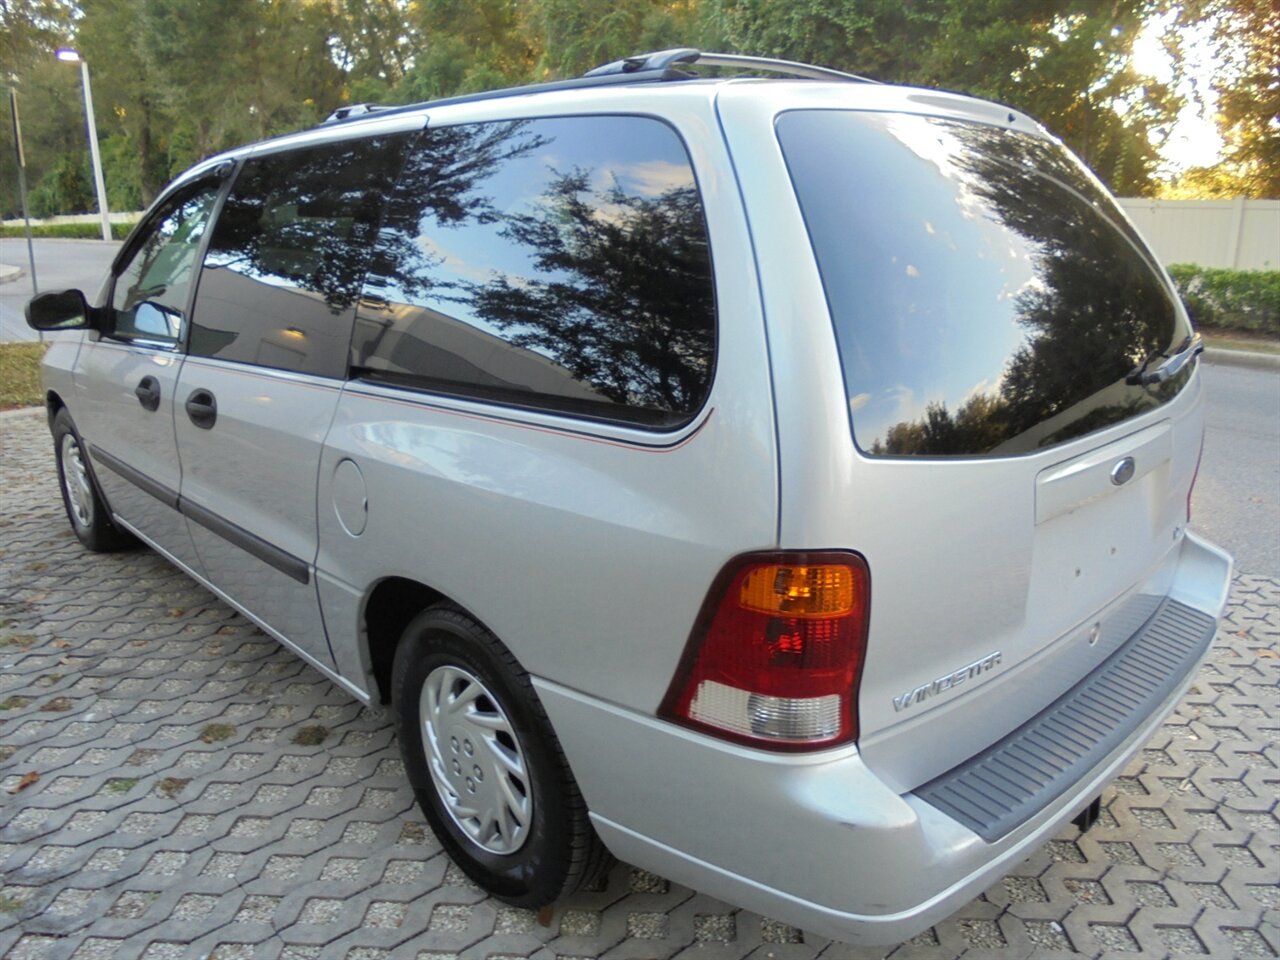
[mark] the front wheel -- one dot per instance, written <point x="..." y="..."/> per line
<point x="89" y="516"/>
<point x="485" y="764"/>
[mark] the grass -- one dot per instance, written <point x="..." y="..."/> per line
<point x="20" y="375"/>
<point x="170" y="787"/>
<point x="213" y="732"/>
<point x="65" y="231"/>
<point x="311" y="736"/>
<point x="122" y="784"/>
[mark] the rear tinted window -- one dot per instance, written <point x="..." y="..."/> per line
<point x="988" y="298"/>
<point x="554" y="263"/>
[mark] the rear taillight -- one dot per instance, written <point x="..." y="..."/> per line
<point x="775" y="657"/>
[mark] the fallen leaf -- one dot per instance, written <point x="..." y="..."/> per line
<point x="62" y="644"/>
<point x="1269" y="654"/>
<point x="28" y="779"/>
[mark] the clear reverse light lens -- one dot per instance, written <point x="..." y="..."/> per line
<point x="795" y="719"/>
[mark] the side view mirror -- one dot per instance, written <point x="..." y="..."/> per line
<point x="62" y="310"/>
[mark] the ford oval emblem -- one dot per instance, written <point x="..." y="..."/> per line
<point x="1122" y="472"/>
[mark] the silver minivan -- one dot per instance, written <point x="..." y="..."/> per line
<point x="779" y="483"/>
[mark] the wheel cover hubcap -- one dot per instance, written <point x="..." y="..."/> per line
<point x="476" y="760"/>
<point x="75" y="481"/>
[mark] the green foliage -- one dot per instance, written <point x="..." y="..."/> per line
<point x="1247" y="36"/>
<point x="121" y="173"/>
<point x="580" y="34"/>
<point x="66" y="188"/>
<point x="1230" y="299"/>
<point x="1064" y="62"/>
<point x="177" y="80"/>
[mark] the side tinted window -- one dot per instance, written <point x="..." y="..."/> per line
<point x="556" y="263"/>
<point x="149" y="300"/>
<point x="288" y="255"/>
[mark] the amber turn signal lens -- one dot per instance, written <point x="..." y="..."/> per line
<point x="820" y="590"/>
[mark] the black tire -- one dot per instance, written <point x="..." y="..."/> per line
<point x="89" y="516"/>
<point x="557" y="850"/>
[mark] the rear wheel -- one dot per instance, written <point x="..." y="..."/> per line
<point x="89" y="516"/>
<point x="485" y="764"/>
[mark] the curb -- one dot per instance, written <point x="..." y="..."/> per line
<point x="1242" y="358"/>
<point x="8" y="274"/>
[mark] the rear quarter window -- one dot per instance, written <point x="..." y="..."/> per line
<point x="559" y="264"/>
<point x="988" y="296"/>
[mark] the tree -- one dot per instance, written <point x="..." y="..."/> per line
<point x="471" y="45"/>
<point x="30" y="32"/>
<point x="373" y="43"/>
<point x="1247" y="34"/>
<point x="1064" y="62"/>
<point x="127" y="86"/>
<point x="577" y="35"/>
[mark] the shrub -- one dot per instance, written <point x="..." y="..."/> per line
<point x="1230" y="299"/>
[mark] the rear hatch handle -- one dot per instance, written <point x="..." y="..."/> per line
<point x="1190" y="348"/>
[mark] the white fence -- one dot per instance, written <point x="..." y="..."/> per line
<point x="1239" y="234"/>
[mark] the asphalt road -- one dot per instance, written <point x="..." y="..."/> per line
<point x="1237" y="496"/>
<point x="59" y="264"/>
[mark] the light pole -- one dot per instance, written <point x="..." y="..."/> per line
<point x="21" y="158"/>
<point x="73" y="56"/>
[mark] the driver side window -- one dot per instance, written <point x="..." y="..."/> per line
<point x="149" y="301"/>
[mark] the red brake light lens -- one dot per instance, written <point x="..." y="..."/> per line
<point x="777" y="652"/>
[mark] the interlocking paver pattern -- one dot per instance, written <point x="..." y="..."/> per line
<point x="203" y="793"/>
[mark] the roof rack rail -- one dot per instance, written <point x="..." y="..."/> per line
<point x="352" y="110"/>
<point x="667" y="62"/>
<point x="661" y="65"/>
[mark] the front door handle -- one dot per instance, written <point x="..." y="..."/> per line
<point x="148" y="393"/>
<point x="202" y="408"/>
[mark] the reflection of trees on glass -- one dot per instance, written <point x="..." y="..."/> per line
<point x="288" y="254"/>
<point x="498" y="274"/>
<point x="442" y="182"/>
<point x="307" y="218"/>
<point x="623" y="297"/>
<point x="1096" y="312"/>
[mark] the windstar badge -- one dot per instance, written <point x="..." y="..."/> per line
<point x="948" y="682"/>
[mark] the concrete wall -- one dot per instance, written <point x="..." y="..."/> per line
<point x="112" y="215"/>
<point x="1240" y="234"/>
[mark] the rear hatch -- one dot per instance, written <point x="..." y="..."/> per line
<point x="1019" y="385"/>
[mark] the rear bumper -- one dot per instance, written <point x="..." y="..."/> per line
<point x="821" y="842"/>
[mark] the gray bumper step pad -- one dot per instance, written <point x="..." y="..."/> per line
<point x="1009" y="782"/>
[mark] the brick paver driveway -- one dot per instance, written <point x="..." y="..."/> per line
<point x="173" y="784"/>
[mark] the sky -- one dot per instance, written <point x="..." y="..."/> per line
<point x="1194" y="141"/>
